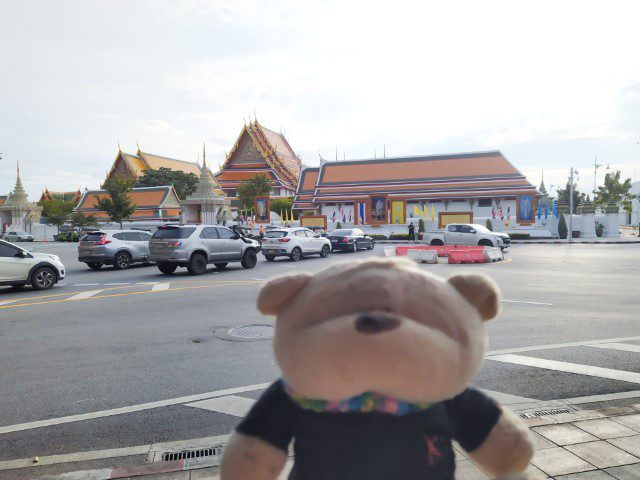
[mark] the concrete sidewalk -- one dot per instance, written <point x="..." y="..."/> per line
<point x="570" y="444"/>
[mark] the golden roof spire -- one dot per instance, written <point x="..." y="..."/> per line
<point x="204" y="155"/>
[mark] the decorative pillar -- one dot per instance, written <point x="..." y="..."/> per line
<point x="612" y="222"/>
<point x="563" y="208"/>
<point x="588" y="211"/>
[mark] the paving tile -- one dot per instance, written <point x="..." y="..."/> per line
<point x="558" y="461"/>
<point x="604" y="428"/>
<point x="631" y="421"/>
<point x="204" y="473"/>
<point x="564" y="434"/>
<point x="628" y="444"/>
<point x="534" y="473"/>
<point x="602" y="454"/>
<point x="615" y="410"/>
<point x="626" y="472"/>
<point x="595" y="475"/>
<point x="168" y="476"/>
<point x="465" y="470"/>
<point x="539" y="442"/>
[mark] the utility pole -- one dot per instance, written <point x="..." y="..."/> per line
<point x="571" y="203"/>
<point x="595" y="173"/>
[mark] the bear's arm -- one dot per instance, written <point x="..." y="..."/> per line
<point x="496" y="440"/>
<point x="258" y="449"/>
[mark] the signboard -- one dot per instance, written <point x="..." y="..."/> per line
<point x="378" y="205"/>
<point x="445" y="218"/>
<point x="524" y="208"/>
<point x="398" y="212"/>
<point x="313" y="221"/>
<point x="262" y="209"/>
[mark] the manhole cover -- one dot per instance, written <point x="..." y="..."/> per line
<point x="246" y="333"/>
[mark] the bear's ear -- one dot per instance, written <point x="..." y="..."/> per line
<point x="479" y="291"/>
<point x="279" y="291"/>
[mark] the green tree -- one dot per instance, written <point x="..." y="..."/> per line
<point x="489" y="225"/>
<point x="184" y="183"/>
<point x="615" y="191"/>
<point x="248" y="190"/>
<point x="562" y="227"/>
<point x="578" y="197"/>
<point x="118" y="205"/>
<point x="80" y="220"/>
<point x="283" y="204"/>
<point x="420" y="226"/>
<point x="56" y="211"/>
<point x="338" y="226"/>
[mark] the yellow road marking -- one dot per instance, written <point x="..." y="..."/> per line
<point x="144" y="292"/>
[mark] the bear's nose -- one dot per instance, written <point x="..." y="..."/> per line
<point x="376" y="323"/>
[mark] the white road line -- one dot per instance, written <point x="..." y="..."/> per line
<point x="231" y="405"/>
<point x="528" y="303"/>
<point x="541" y="285"/>
<point x="549" y="346"/>
<point x="605" y="397"/>
<point x="507" y="399"/>
<point x="130" y="409"/>
<point x="625" y="347"/>
<point x="160" y="287"/>
<point x="83" y="295"/>
<point x="260" y="279"/>
<point x="84" y="284"/>
<point x="4" y="302"/>
<point x="567" y="367"/>
<point x="118" y="283"/>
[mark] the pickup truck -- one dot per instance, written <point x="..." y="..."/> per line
<point x="467" y="234"/>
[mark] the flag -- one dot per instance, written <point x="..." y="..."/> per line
<point x="508" y="211"/>
<point x="546" y="209"/>
<point x="426" y="211"/>
<point x="281" y="216"/>
<point x="433" y="213"/>
<point x="361" y="212"/>
<point x="493" y="212"/>
<point x="554" y="209"/>
<point x="500" y="213"/>
<point x="333" y="217"/>
<point x="539" y="210"/>
<point x="417" y="210"/>
<point x="344" y="217"/>
<point x="349" y="216"/>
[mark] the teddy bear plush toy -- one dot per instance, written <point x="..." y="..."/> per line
<point x="376" y="356"/>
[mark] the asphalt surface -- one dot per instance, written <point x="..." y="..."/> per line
<point x="133" y="342"/>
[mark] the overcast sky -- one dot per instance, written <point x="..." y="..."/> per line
<point x="550" y="83"/>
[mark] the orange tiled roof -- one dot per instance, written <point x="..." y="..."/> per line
<point x="144" y="198"/>
<point x="3" y="198"/>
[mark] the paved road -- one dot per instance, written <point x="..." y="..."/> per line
<point x="120" y="340"/>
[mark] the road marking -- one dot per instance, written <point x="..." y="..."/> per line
<point x="605" y="397"/>
<point x="118" y="283"/>
<point x="259" y="279"/>
<point x="567" y="367"/>
<point x="625" y="347"/>
<point x="528" y="303"/>
<point x="507" y="399"/>
<point x="4" y="302"/>
<point x="130" y="409"/>
<point x="81" y="295"/>
<point x="160" y="287"/>
<point x="550" y="346"/>
<point x="230" y="405"/>
<point x="541" y="285"/>
<point x="85" y="284"/>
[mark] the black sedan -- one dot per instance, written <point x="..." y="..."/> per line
<point x="350" y="239"/>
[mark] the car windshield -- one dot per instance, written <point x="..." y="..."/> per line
<point x="276" y="234"/>
<point x="172" y="233"/>
<point x="481" y="228"/>
<point x="93" y="237"/>
<point x="342" y="232"/>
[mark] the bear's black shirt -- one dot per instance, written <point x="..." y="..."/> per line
<point x="369" y="446"/>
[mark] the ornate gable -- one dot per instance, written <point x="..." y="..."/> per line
<point x="245" y="153"/>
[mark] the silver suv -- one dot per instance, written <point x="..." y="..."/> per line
<point x="195" y="246"/>
<point x="119" y="248"/>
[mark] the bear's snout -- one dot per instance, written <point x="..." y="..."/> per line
<point x="376" y="323"/>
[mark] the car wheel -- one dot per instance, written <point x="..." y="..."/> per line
<point x="270" y="258"/>
<point x="249" y="259"/>
<point x="18" y="239"/>
<point x="94" y="265"/>
<point x="485" y="243"/>
<point x="167" y="268"/>
<point x="354" y="248"/>
<point x="221" y="264"/>
<point x="43" y="278"/>
<point x="197" y="264"/>
<point x="437" y="243"/>
<point x="122" y="261"/>
<point x="324" y="253"/>
<point x="371" y="245"/>
<point x="296" y="254"/>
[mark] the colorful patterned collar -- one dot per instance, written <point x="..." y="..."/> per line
<point x="366" y="402"/>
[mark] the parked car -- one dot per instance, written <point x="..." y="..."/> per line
<point x="319" y="230"/>
<point x="294" y="243"/>
<point x="17" y="236"/>
<point x="120" y="248"/>
<point x="195" y="246"/>
<point x="19" y="267"/>
<point x="350" y="239"/>
<point x="467" y="234"/>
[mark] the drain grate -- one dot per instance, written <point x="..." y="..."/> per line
<point x="544" y="413"/>
<point x="253" y="332"/>
<point x="187" y="454"/>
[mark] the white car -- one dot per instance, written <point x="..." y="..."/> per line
<point x="17" y="236"/>
<point x="19" y="267"/>
<point x="467" y="234"/>
<point x="294" y="243"/>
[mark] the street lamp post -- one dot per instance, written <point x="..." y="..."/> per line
<point x="571" y="174"/>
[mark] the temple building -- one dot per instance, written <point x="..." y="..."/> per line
<point x="151" y="204"/>
<point x="441" y="189"/>
<point x="16" y="210"/>
<point x="133" y="166"/>
<point x="259" y="150"/>
<point x="48" y="195"/>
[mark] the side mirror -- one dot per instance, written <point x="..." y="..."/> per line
<point x="472" y="231"/>
<point x="235" y="236"/>
<point x="22" y="254"/>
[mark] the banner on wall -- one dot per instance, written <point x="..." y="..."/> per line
<point x="397" y="212"/>
<point x="361" y="213"/>
<point x="379" y="208"/>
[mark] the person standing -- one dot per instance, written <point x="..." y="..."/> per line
<point x="261" y="232"/>
<point x="412" y="232"/>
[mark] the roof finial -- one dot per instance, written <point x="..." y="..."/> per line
<point x="119" y="149"/>
<point x="18" y="167"/>
<point x="204" y="156"/>
<point x="255" y="117"/>
<point x="137" y="144"/>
